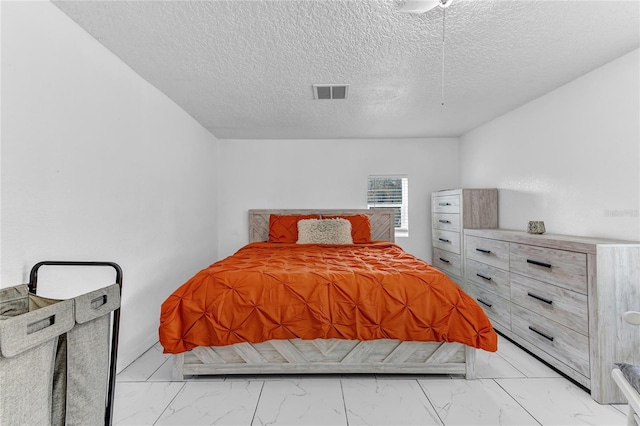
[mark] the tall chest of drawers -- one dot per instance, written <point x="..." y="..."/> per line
<point x="560" y="297"/>
<point x="452" y="211"/>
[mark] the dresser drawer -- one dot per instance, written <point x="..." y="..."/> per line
<point x="488" y="277"/>
<point x="447" y="262"/>
<point x="446" y="204"/>
<point x="563" y="306"/>
<point x="446" y="221"/>
<point x="566" y="269"/>
<point x="487" y="251"/>
<point x="446" y="240"/>
<point x="497" y="308"/>
<point x="562" y="343"/>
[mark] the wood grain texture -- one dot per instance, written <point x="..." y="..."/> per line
<point x="480" y="208"/>
<point x="487" y="277"/>
<point x="177" y="372"/>
<point x="382" y="221"/>
<point x="443" y="353"/>
<point x="402" y="352"/>
<point x="592" y="282"/>
<point x="446" y="221"/>
<point x="446" y="203"/>
<point x="542" y="354"/>
<point x="612" y="338"/>
<point x="497" y="308"/>
<point x="470" y="362"/>
<point x="568" y="346"/>
<point x="451" y="211"/>
<point x="330" y="356"/>
<point x="447" y="240"/>
<point x="487" y="251"/>
<point x="449" y="263"/>
<point x="563" y="306"/>
<point x="208" y="355"/>
<point x="564" y="268"/>
<point x="289" y="351"/>
<point x="555" y="241"/>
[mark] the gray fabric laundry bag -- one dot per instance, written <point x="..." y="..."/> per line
<point x="81" y="373"/>
<point x="29" y="330"/>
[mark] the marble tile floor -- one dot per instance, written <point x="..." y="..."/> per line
<point x="513" y="388"/>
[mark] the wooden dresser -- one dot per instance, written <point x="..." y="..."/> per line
<point x="452" y="211"/>
<point x="560" y="297"/>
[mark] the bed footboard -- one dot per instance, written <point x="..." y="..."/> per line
<point x="328" y="356"/>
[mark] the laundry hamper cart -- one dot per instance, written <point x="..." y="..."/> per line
<point x="86" y="355"/>
<point x="30" y="328"/>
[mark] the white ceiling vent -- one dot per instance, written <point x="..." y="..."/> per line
<point x="330" y="91"/>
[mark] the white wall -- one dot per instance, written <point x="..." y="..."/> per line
<point x="329" y="174"/>
<point x="570" y="158"/>
<point x="98" y="165"/>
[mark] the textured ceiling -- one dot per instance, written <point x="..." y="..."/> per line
<point x="245" y="69"/>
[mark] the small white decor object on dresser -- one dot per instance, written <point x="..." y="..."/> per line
<point x="560" y="297"/>
<point x="451" y="211"/>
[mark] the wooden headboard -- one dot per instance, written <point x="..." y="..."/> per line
<point x="382" y="221"/>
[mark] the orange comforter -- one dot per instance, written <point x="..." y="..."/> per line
<point x="285" y="291"/>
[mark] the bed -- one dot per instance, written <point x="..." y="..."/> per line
<point x="359" y="334"/>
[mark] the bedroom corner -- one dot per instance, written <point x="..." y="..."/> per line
<point x="98" y="165"/>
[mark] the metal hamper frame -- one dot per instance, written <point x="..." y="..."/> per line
<point x="33" y="286"/>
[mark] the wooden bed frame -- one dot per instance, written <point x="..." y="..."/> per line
<point x="325" y="356"/>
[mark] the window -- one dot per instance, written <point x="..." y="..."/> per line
<point x="391" y="192"/>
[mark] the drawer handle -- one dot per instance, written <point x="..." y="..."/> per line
<point x="540" y="298"/>
<point x="445" y="260"/>
<point x="536" y="262"/>
<point x="488" y="305"/>
<point x="444" y="221"/>
<point x="484" y="277"/>
<point x="444" y="240"/>
<point x="444" y="204"/>
<point x="483" y="250"/>
<point x="41" y="324"/>
<point x="99" y="301"/>
<point x="545" y="335"/>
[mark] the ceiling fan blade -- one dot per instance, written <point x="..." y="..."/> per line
<point x="418" y="6"/>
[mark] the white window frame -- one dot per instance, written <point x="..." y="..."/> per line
<point x="401" y="230"/>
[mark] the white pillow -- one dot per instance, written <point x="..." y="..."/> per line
<point x="324" y="231"/>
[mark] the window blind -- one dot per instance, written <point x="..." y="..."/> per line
<point x="391" y="192"/>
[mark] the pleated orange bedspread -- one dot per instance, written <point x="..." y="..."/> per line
<point x="287" y="291"/>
